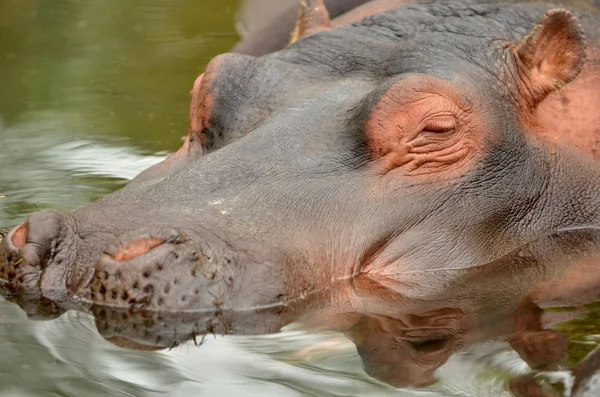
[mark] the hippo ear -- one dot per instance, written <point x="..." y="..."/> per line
<point x="551" y="56"/>
<point x="313" y="18"/>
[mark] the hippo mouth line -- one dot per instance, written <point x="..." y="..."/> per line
<point x="92" y="291"/>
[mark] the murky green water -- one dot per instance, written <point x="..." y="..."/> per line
<point x="89" y="89"/>
<point x="91" y="93"/>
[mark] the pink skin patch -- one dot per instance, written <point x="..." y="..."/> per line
<point x="19" y="237"/>
<point x="137" y="248"/>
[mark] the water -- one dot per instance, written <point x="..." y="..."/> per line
<point x="92" y="92"/>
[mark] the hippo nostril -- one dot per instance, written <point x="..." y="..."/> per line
<point x="136" y="248"/>
<point x="18" y="237"/>
<point x="40" y="231"/>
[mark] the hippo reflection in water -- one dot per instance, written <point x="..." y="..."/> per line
<point x="416" y="143"/>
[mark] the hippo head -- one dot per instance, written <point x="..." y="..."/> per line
<point x="402" y="143"/>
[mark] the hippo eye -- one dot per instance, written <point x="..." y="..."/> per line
<point x="440" y="124"/>
<point x="424" y="125"/>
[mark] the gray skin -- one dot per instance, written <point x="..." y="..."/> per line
<point x="274" y="34"/>
<point x="283" y="201"/>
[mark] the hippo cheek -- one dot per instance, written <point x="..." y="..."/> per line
<point x="155" y="270"/>
<point x="158" y="288"/>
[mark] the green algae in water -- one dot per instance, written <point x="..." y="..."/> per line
<point x="583" y="333"/>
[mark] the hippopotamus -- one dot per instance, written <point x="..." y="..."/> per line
<point x="400" y="138"/>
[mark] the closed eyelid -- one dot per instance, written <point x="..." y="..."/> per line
<point x="425" y="122"/>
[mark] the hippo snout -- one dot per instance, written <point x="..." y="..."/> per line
<point x="46" y="261"/>
<point x="151" y="286"/>
<point x="154" y="267"/>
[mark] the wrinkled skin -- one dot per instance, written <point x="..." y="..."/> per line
<point x="296" y="176"/>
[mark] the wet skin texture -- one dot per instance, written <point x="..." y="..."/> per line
<point x="409" y="141"/>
